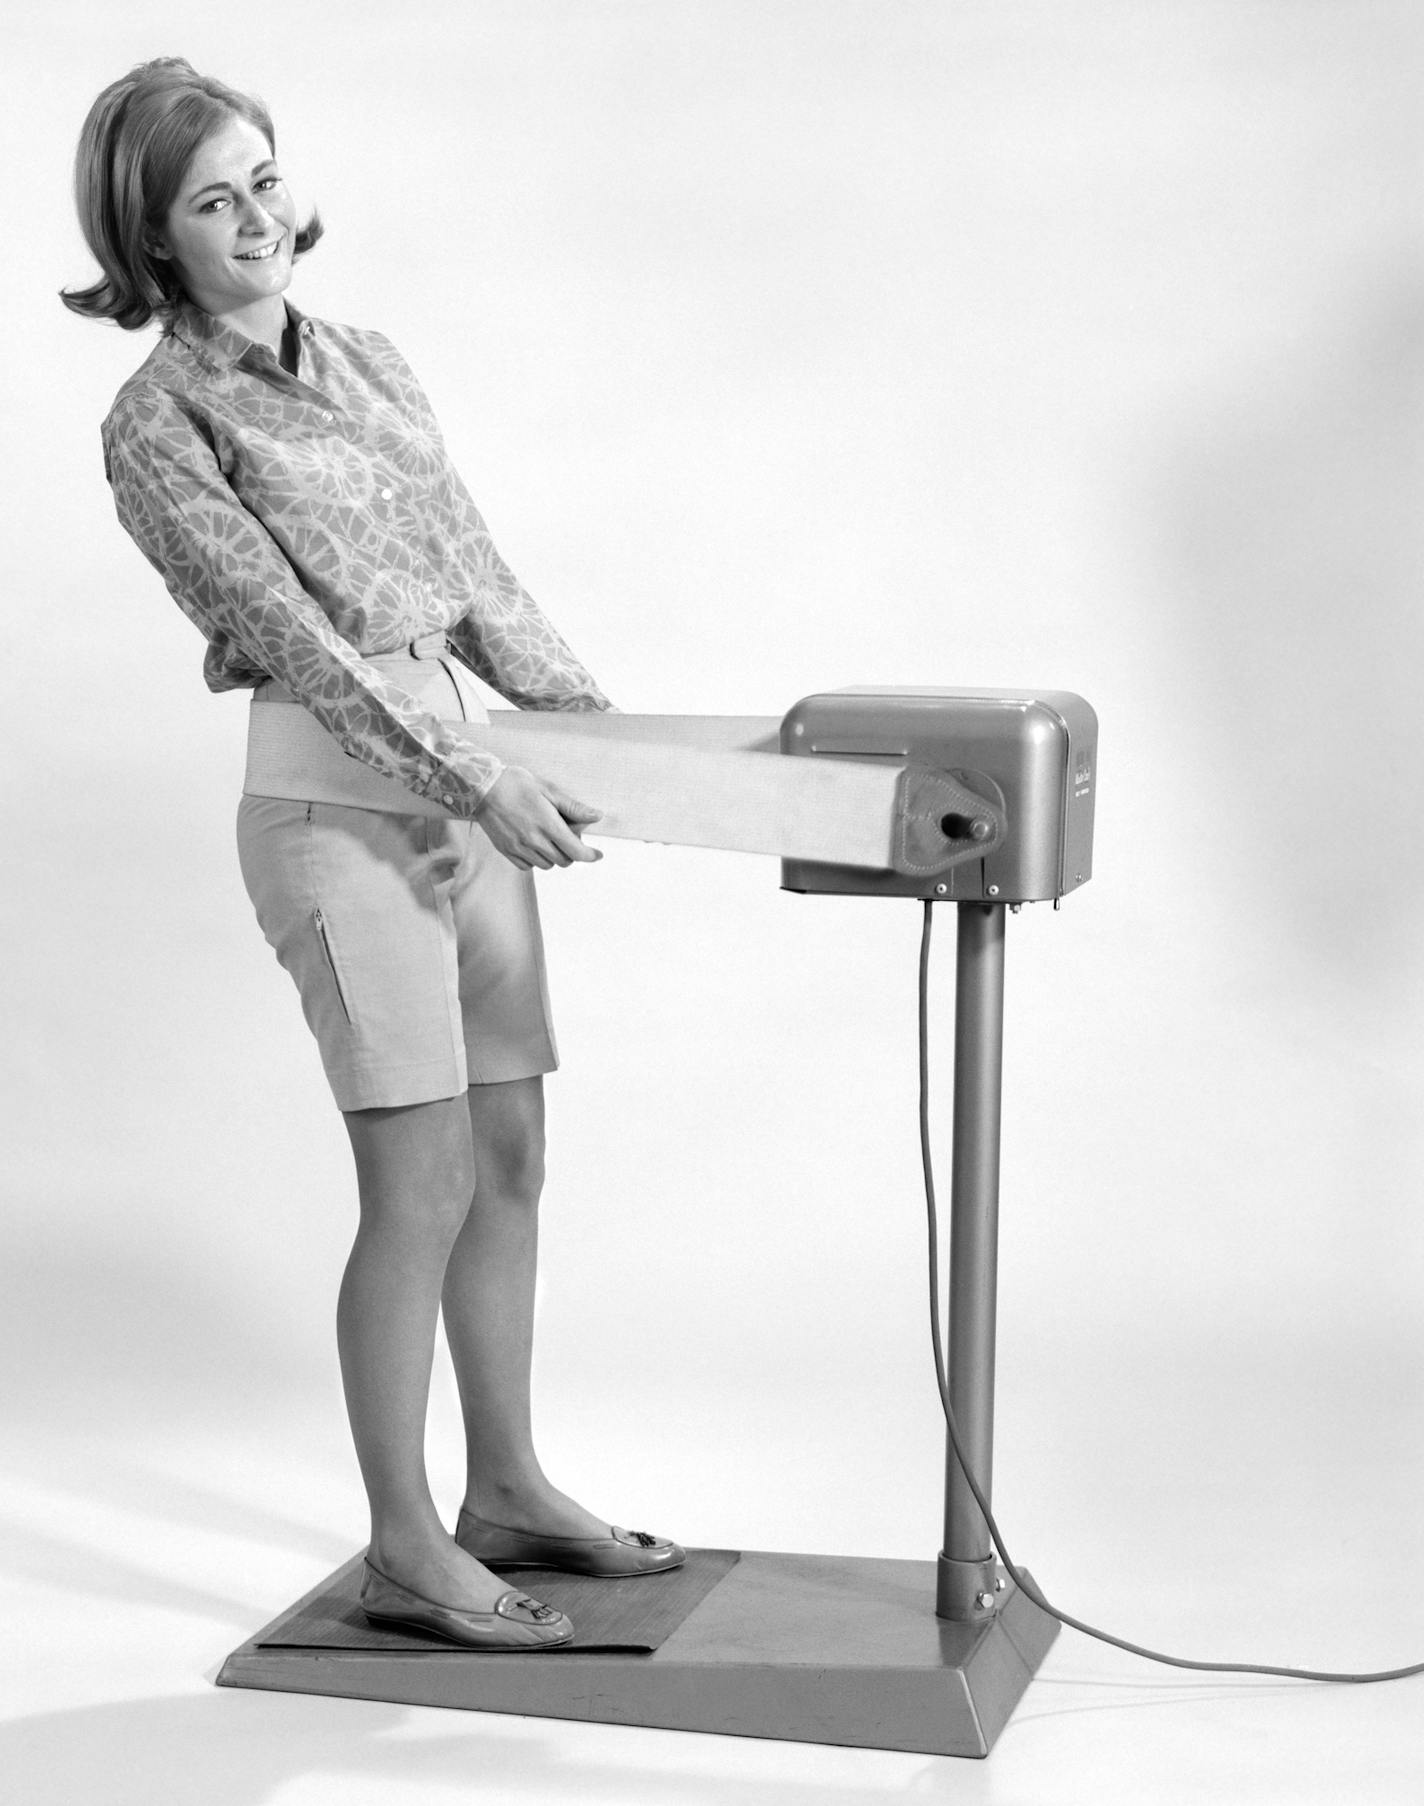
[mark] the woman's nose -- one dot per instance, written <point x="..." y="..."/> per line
<point x="253" y="216"/>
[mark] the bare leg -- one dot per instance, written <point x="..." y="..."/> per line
<point x="415" y="1172"/>
<point x="489" y="1316"/>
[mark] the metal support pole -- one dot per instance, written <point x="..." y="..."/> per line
<point x="966" y="1576"/>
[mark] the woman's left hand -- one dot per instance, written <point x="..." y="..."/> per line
<point x="534" y="823"/>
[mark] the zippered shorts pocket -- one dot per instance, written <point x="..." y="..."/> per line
<point x="323" y="935"/>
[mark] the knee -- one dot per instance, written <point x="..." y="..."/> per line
<point x="507" y="1134"/>
<point x="511" y="1174"/>
<point x="445" y="1191"/>
<point x="415" y="1171"/>
<point x="422" y="1212"/>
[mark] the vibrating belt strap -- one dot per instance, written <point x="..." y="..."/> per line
<point x="683" y="780"/>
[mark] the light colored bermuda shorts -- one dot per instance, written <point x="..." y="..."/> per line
<point x="414" y="945"/>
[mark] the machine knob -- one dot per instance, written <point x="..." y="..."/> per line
<point x="965" y="827"/>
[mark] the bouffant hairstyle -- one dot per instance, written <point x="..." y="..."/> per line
<point x="137" y="143"/>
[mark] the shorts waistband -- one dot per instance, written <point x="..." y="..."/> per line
<point x="429" y="645"/>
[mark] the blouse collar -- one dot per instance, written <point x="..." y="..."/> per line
<point x="222" y="347"/>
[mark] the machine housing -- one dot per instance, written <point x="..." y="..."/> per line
<point x="1031" y="754"/>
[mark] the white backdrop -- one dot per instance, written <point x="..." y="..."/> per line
<point x="789" y="346"/>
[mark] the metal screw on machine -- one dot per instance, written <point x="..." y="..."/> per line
<point x="984" y="1601"/>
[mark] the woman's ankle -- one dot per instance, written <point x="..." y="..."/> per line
<point x="401" y="1538"/>
<point x="493" y="1497"/>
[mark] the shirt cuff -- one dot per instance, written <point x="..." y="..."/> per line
<point x="463" y="797"/>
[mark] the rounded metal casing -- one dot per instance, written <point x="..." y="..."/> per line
<point x="1033" y="754"/>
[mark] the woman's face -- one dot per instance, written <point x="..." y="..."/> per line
<point x="229" y="231"/>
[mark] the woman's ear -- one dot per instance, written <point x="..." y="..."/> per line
<point x="155" y="246"/>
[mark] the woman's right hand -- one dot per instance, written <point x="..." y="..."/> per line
<point x="534" y="823"/>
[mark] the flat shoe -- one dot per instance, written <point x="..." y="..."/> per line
<point x="611" y="1557"/>
<point x="517" y="1621"/>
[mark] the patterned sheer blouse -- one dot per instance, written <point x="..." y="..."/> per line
<point x="302" y="522"/>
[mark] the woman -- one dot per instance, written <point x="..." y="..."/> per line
<point x="287" y="478"/>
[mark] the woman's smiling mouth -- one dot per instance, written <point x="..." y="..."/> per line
<point x="257" y="256"/>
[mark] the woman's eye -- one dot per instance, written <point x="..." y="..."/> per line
<point x="213" y="205"/>
<point x="270" y="182"/>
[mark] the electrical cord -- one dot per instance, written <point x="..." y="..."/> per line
<point x="1019" y="1578"/>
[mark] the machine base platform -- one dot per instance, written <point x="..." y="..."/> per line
<point x="808" y="1648"/>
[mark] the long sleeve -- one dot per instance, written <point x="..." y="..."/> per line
<point x="506" y="641"/>
<point x="504" y="637"/>
<point x="229" y="575"/>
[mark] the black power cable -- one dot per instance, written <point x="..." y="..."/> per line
<point x="1019" y="1578"/>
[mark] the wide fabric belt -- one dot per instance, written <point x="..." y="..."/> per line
<point x="290" y="754"/>
<point x="694" y="780"/>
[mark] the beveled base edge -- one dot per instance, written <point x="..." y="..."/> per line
<point x="840" y="1650"/>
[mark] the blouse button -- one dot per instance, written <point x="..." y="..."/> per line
<point x="327" y="415"/>
<point x="386" y="494"/>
